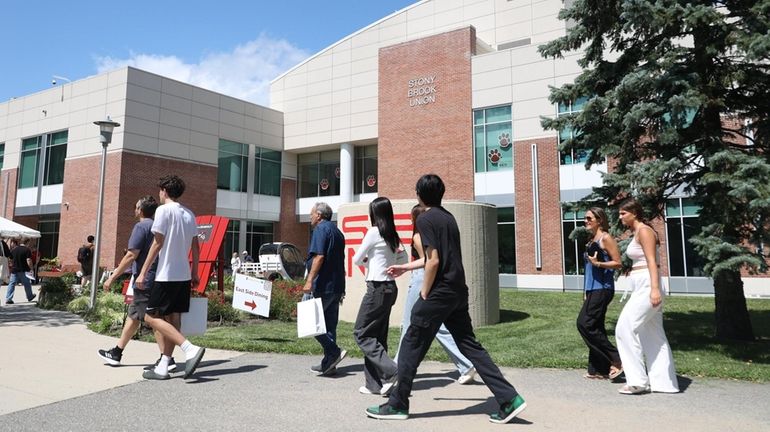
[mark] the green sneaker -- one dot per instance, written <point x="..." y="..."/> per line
<point x="509" y="411"/>
<point x="386" y="412"/>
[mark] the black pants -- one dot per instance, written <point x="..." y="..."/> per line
<point x="451" y="309"/>
<point x="371" y="332"/>
<point x="590" y="324"/>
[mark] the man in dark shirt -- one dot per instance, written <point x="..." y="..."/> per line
<point x="325" y="265"/>
<point x="138" y="246"/>
<point x="21" y="263"/>
<point x="443" y="299"/>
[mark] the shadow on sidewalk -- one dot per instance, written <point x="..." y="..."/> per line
<point x="30" y="315"/>
<point x="485" y="407"/>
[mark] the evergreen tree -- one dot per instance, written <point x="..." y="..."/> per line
<point x="679" y="96"/>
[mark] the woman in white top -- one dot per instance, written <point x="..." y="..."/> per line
<point x="235" y="263"/>
<point x="639" y="332"/>
<point x="377" y="252"/>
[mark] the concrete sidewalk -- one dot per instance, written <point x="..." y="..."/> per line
<point x="52" y="379"/>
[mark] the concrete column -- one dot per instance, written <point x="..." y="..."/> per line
<point x="347" y="155"/>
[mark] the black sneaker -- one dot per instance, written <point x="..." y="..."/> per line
<point x="332" y="368"/>
<point x="509" y="411"/>
<point x="9" y="302"/>
<point x="387" y="412"/>
<point x="111" y="357"/>
<point x="171" y="365"/>
<point x="33" y="297"/>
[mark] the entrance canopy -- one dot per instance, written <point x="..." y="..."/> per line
<point x="9" y="228"/>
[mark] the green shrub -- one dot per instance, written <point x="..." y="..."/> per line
<point x="56" y="293"/>
<point x="107" y="314"/>
<point x="284" y="298"/>
<point x="221" y="309"/>
<point x="79" y="305"/>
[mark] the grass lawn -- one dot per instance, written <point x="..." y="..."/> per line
<point x="537" y="329"/>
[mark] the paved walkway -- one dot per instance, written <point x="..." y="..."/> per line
<point x="51" y="379"/>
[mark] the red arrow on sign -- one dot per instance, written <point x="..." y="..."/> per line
<point x="251" y="303"/>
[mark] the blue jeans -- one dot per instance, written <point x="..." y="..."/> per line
<point x="15" y="278"/>
<point x="443" y="336"/>
<point x="331" y="305"/>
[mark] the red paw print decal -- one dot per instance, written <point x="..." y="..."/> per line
<point x="324" y="184"/>
<point x="371" y="181"/>
<point x="504" y="140"/>
<point x="494" y="156"/>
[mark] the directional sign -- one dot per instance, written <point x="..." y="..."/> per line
<point x="252" y="295"/>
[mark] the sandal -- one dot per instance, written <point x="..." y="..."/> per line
<point x="633" y="390"/>
<point x="615" y="372"/>
<point x="595" y="376"/>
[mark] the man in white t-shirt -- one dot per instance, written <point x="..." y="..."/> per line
<point x="175" y="234"/>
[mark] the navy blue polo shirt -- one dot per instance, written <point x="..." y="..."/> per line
<point x="327" y="240"/>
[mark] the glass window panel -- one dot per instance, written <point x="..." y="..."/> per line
<point x="505" y="214"/>
<point x="580" y="215"/>
<point x="231" y="240"/>
<point x="506" y="241"/>
<point x="270" y="178"/>
<point x="581" y="155"/>
<point x="499" y="148"/>
<point x="579" y="103"/>
<point x="692" y="227"/>
<point x="272" y="155"/>
<point x="329" y="181"/>
<point x="570" y="252"/>
<point x="28" y="168"/>
<point x="330" y="156"/>
<point x="498" y="114"/>
<point x="370" y="151"/>
<point x="568" y="215"/>
<point x="232" y="172"/>
<point x="563" y="107"/>
<point x="54" y="170"/>
<point x="308" y="180"/>
<point x="30" y="143"/>
<point x="675" y="255"/>
<point x="480" y="149"/>
<point x="673" y="208"/>
<point x="370" y="180"/>
<point x="59" y="138"/>
<point x="478" y="117"/>
<point x="689" y="208"/>
<point x="233" y="147"/>
<point x="48" y="244"/>
<point x="2" y="155"/>
<point x="257" y="234"/>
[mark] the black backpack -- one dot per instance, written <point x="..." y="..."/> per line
<point x="84" y="253"/>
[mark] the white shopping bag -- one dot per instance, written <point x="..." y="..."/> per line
<point x="310" y="318"/>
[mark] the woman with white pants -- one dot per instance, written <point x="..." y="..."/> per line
<point x="639" y="332"/>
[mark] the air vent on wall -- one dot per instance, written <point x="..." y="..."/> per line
<point x="514" y="44"/>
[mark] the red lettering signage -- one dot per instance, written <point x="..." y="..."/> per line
<point x="211" y="234"/>
<point x="355" y="227"/>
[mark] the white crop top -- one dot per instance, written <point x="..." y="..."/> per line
<point x="636" y="253"/>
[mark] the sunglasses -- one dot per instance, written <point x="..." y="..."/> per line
<point x="588" y="218"/>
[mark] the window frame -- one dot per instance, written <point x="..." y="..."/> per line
<point x="503" y="151"/>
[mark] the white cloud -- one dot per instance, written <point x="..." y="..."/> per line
<point x="245" y="72"/>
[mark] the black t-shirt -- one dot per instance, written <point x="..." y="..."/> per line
<point x="19" y="256"/>
<point x="438" y="230"/>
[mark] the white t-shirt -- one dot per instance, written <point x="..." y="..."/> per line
<point x="378" y="254"/>
<point x="177" y="224"/>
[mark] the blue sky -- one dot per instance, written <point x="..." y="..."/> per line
<point x="235" y="47"/>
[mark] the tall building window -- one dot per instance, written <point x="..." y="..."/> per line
<point x="257" y="234"/>
<point x="233" y="163"/>
<point x="319" y="174"/>
<point x="493" y="139"/>
<point x="574" y="264"/>
<point x="573" y="156"/>
<point x="2" y="155"/>
<point x="682" y="223"/>
<point x="48" y="244"/>
<point x="506" y="240"/>
<point x="267" y="172"/>
<point x="365" y="170"/>
<point x="33" y="157"/>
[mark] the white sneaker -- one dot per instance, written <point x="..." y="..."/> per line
<point x="364" y="390"/>
<point x="388" y="385"/>
<point x="467" y="377"/>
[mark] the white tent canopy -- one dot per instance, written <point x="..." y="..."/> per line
<point x="9" y="228"/>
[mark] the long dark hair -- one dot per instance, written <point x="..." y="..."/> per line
<point x="634" y="207"/>
<point x="381" y="215"/>
<point x="417" y="210"/>
<point x="601" y="218"/>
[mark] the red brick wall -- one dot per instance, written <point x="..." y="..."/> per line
<point x="128" y="177"/>
<point x="550" y="207"/>
<point x="10" y="205"/>
<point x="288" y="229"/>
<point x="435" y="137"/>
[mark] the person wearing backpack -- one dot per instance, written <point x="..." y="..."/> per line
<point x="86" y="259"/>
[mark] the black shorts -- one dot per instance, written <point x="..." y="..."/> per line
<point x="169" y="297"/>
<point x="138" y="306"/>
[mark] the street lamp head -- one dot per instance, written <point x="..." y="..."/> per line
<point x="105" y="129"/>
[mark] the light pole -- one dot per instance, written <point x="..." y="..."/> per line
<point x="105" y="137"/>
